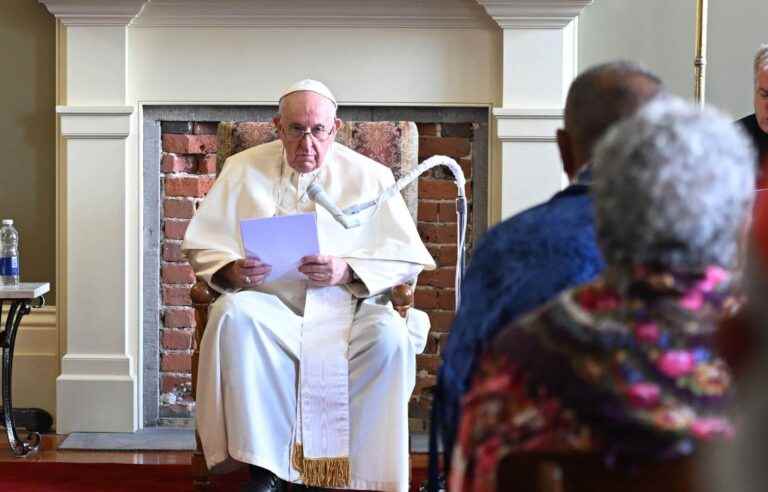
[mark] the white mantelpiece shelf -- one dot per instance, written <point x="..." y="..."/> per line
<point x="95" y="110"/>
<point x="527" y="125"/>
<point x="94" y="121"/>
<point x="94" y="12"/>
<point x="533" y="14"/>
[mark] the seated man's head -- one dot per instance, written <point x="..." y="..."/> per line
<point x="306" y="123"/>
<point x="673" y="187"/>
<point x="761" y="87"/>
<point x="598" y="98"/>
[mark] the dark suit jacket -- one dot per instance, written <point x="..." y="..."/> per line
<point x="758" y="136"/>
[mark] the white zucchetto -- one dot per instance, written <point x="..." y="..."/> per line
<point x="312" y="86"/>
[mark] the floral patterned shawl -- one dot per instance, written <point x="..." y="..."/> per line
<point x="624" y="368"/>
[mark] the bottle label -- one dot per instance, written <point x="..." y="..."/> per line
<point x="9" y="266"/>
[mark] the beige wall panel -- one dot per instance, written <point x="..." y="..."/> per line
<point x="35" y="363"/>
<point x="27" y="135"/>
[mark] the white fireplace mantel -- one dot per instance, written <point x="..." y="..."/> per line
<point x="534" y="14"/>
<point x="95" y="12"/>
<point x="114" y="57"/>
<point x="539" y="61"/>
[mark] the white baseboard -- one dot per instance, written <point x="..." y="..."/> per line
<point x="96" y="403"/>
<point x="96" y="393"/>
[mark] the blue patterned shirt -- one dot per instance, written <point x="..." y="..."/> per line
<point x="518" y="265"/>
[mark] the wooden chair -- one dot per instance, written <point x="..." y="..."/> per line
<point x="587" y="472"/>
<point x="394" y="144"/>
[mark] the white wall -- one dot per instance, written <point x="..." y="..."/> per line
<point x="660" y="34"/>
<point x="736" y="30"/>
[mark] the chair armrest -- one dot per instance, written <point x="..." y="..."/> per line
<point x="202" y="293"/>
<point x="402" y="298"/>
<point x="202" y="296"/>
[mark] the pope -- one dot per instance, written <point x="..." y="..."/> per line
<point x="307" y="380"/>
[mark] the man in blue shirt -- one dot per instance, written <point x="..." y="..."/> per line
<point x="529" y="258"/>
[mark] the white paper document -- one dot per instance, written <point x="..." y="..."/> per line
<point x="281" y="242"/>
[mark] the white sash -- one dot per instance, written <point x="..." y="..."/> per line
<point x="321" y="447"/>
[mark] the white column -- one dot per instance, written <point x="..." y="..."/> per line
<point x="539" y="62"/>
<point x="98" y="271"/>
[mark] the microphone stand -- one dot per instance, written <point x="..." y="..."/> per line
<point x="461" y="207"/>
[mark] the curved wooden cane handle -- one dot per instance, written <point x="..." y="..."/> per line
<point x="402" y="298"/>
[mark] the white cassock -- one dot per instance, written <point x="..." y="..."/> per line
<point x="255" y="401"/>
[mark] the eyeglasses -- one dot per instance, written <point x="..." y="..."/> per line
<point x="318" y="132"/>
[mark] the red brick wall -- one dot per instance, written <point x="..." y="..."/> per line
<point x="435" y="291"/>
<point x="187" y="171"/>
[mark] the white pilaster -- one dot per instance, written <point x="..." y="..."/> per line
<point x="539" y="62"/>
<point x="97" y="389"/>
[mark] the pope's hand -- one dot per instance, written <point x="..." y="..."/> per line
<point x="326" y="270"/>
<point x="243" y="274"/>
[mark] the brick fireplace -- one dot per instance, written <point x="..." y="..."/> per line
<point x="184" y="164"/>
<point x="126" y="66"/>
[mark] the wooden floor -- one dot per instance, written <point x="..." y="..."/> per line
<point x="49" y="453"/>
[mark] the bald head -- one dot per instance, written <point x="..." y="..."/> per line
<point x="600" y="97"/>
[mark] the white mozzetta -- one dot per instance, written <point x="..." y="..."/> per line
<point x="94" y="121"/>
<point x="534" y="14"/>
<point x="94" y="12"/>
<point x="442" y="14"/>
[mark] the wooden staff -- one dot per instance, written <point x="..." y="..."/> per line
<point x="700" y="63"/>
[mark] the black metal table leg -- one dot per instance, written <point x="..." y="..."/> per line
<point x="18" y="309"/>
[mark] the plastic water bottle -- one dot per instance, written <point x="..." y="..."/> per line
<point x="9" y="254"/>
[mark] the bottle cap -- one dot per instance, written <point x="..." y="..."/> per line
<point x="7" y="221"/>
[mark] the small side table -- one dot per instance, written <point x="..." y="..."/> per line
<point x="22" y="299"/>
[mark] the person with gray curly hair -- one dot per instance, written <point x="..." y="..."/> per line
<point x="625" y="366"/>
<point x="671" y="188"/>
<point x="756" y="124"/>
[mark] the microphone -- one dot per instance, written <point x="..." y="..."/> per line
<point x="316" y="193"/>
<point x="348" y="219"/>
